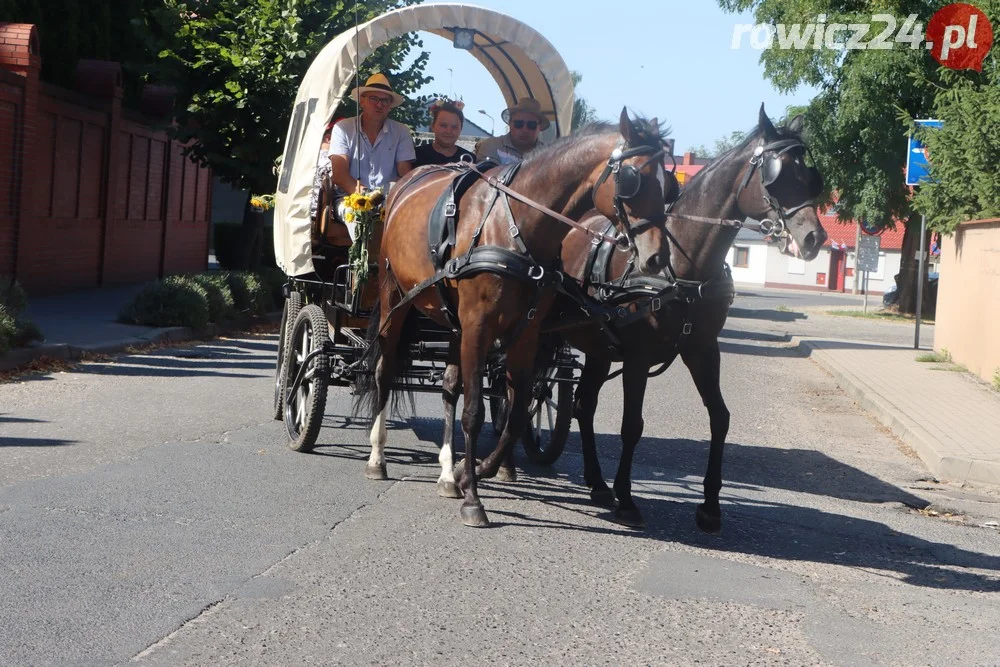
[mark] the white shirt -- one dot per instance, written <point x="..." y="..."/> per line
<point x="372" y="165"/>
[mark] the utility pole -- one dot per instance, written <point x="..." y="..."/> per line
<point x="857" y="242"/>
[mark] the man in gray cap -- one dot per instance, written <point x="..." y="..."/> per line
<point x="525" y="121"/>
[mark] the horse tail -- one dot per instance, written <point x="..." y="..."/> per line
<point x="365" y="405"/>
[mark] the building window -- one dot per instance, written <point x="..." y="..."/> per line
<point x="741" y="259"/>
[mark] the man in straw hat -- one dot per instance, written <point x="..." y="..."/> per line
<point x="525" y="121"/>
<point x="370" y="150"/>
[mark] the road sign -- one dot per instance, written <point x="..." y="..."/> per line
<point x="868" y="251"/>
<point x="870" y="228"/>
<point x="916" y="155"/>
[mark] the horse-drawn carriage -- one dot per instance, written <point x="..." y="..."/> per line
<point x="532" y="252"/>
<point x="322" y="336"/>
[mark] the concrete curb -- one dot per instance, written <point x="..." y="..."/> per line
<point x="944" y="464"/>
<point x="19" y="357"/>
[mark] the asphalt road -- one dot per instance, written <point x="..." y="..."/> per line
<point x="151" y="513"/>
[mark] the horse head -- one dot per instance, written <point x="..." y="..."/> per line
<point x="781" y="185"/>
<point x="629" y="190"/>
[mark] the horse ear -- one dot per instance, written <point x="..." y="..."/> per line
<point x="625" y="126"/>
<point x="796" y="125"/>
<point x="765" y="126"/>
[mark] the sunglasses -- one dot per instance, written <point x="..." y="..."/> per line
<point x="530" y="124"/>
<point x="381" y="101"/>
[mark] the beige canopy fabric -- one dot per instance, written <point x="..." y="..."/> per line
<point x="521" y="61"/>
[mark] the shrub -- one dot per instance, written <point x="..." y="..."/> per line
<point x="249" y="293"/>
<point x="220" y="296"/>
<point x="15" y="331"/>
<point x="274" y="279"/>
<point x="173" y="301"/>
<point x="12" y="296"/>
<point x="8" y="328"/>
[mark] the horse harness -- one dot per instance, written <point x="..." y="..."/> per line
<point x="648" y="294"/>
<point x="517" y="264"/>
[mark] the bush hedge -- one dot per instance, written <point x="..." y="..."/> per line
<point x="195" y="300"/>
<point x="174" y="301"/>
<point x="15" y="330"/>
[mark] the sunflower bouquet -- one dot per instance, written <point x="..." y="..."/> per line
<point x="362" y="211"/>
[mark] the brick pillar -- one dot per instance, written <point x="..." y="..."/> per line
<point x="103" y="79"/>
<point x="20" y="53"/>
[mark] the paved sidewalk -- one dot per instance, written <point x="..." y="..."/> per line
<point x="949" y="418"/>
<point x="78" y="323"/>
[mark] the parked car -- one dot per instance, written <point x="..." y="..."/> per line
<point x="891" y="297"/>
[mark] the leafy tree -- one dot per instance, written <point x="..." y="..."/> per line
<point x="965" y="152"/>
<point x="237" y="65"/>
<point x="583" y="113"/>
<point x="853" y="124"/>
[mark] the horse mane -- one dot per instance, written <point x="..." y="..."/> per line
<point x="647" y="135"/>
<point x="749" y="138"/>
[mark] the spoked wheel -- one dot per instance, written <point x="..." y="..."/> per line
<point x="305" y="404"/>
<point x="550" y="414"/>
<point x="293" y="304"/>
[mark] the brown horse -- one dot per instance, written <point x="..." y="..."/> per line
<point x="682" y="311"/>
<point x="496" y="285"/>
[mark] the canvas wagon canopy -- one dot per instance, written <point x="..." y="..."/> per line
<point x="521" y="61"/>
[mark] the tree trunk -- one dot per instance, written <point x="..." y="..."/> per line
<point x="906" y="279"/>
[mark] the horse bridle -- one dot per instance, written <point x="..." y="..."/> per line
<point x="628" y="182"/>
<point x="766" y="161"/>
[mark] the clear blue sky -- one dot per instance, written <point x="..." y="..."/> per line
<point x="673" y="61"/>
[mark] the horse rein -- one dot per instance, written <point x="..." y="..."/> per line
<point x="493" y="182"/>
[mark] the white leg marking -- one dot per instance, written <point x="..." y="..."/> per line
<point x="377" y="438"/>
<point x="446" y="459"/>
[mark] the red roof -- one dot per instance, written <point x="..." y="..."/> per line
<point x="844" y="233"/>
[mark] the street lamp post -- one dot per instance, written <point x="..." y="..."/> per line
<point x="492" y="122"/>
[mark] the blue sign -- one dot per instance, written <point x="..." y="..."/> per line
<point x="916" y="156"/>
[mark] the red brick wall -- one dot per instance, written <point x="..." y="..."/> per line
<point x="90" y="194"/>
<point x="11" y="97"/>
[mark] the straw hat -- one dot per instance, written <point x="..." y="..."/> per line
<point x="377" y="83"/>
<point x="527" y="105"/>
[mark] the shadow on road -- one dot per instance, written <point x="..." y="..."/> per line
<point x="766" y="314"/>
<point x="35" y="442"/>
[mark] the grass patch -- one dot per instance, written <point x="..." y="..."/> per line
<point x="883" y="315"/>
<point x="951" y="368"/>
<point x="996" y="379"/>
<point x="935" y="357"/>
<point x="782" y="308"/>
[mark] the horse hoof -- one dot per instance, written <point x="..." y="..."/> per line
<point x="708" y="522"/>
<point x="474" y="516"/>
<point x="448" y="490"/>
<point x="506" y="475"/>
<point x="602" y="497"/>
<point x="630" y="518"/>
<point x="376" y="472"/>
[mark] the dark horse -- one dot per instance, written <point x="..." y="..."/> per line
<point x="683" y="309"/>
<point x="495" y="285"/>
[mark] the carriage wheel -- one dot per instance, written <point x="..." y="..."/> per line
<point x="293" y="304"/>
<point x="550" y="414"/>
<point x="305" y="407"/>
